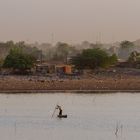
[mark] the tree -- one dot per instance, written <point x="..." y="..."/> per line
<point x="126" y="44"/>
<point x="134" y="57"/>
<point x="5" y="47"/>
<point x="126" y="47"/>
<point x="63" y="50"/>
<point x="113" y="59"/>
<point x="1" y="63"/>
<point x="93" y="58"/>
<point x="18" y="60"/>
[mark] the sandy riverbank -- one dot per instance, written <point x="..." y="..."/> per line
<point x="96" y="83"/>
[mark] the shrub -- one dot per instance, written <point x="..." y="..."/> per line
<point x="93" y="58"/>
<point x="18" y="60"/>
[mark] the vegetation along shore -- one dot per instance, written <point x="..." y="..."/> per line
<point x="63" y="67"/>
<point x="95" y="83"/>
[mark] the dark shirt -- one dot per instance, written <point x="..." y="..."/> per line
<point x="60" y="111"/>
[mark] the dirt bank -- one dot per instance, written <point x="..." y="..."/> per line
<point x="120" y="82"/>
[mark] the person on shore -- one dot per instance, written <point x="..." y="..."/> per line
<point x="60" y="110"/>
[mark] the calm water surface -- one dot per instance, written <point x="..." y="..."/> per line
<point x="90" y="117"/>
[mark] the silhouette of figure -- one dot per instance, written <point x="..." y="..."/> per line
<point x="60" y="109"/>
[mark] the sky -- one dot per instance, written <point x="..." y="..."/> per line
<point x="69" y="21"/>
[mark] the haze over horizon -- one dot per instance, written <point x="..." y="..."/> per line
<point x="70" y="21"/>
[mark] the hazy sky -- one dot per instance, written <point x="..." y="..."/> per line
<point x="69" y="20"/>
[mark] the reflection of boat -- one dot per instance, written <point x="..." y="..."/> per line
<point x="62" y="116"/>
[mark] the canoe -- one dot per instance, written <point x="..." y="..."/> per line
<point x="62" y="116"/>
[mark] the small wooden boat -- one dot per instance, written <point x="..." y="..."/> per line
<point x="62" y="116"/>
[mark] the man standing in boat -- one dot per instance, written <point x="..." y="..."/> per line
<point x="60" y="110"/>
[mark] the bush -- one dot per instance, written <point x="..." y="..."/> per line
<point x="126" y="47"/>
<point x="17" y="60"/>
<point x="93" y="58"/>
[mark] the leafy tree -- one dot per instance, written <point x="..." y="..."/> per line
<point x="5" y="47"/>
<point x="1" y="63"/>
<point x="18" y="60"/>
<point x="63" y="50"/>
<point x="134" y="57"/>
<point x="126" y="47"/>
<point x="93" y="58"/>
<point x="126" y="44"/>
<point x="113" y="59"/>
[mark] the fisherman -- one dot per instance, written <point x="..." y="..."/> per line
<point x="60" y="110"/>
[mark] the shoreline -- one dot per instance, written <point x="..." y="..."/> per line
<point x="67" y="91"/>
<point x="103" y="83"/>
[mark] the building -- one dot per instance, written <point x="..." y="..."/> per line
<point x="52" y="68"/>
<point x="64" y="69"/>
<point x="45" y="69"/>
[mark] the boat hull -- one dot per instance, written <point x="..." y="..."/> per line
<point x="62" y="116"/>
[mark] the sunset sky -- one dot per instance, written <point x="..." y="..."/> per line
<point x="69" y="20"/>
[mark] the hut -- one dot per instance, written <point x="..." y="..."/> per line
<point x="64" y="69"/>
<point x="45" y="69"/>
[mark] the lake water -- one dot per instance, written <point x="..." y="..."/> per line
<point x="90" y="117"/>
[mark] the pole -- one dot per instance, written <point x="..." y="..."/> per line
<point x="53" y="112"/>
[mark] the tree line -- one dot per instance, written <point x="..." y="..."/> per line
<point x="22" y="57"/>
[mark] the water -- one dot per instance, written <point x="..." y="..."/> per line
<point x="90" y="116"/>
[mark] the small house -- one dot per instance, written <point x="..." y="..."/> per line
<point x="45" y="69"/>
<point x="64" y="69"/>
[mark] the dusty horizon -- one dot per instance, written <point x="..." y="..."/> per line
<point x="71" y="21"/>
